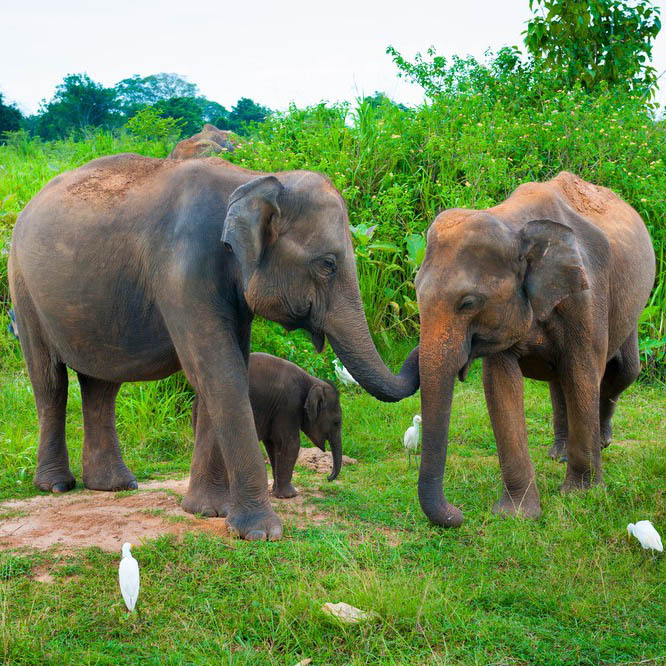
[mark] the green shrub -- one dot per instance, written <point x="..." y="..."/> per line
<point x="471" y="147"/>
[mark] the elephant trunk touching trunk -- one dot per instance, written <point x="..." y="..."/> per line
<point x="347" y="331"/>
<point x="438" y="369"/>
<point x="336" y="450"/>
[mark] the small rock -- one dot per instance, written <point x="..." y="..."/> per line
<point x="347" y="614"/>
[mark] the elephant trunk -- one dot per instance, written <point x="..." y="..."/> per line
<point x="440" y="358"/>
<point x="347" y="330"/>
<point x="336" y="450"/>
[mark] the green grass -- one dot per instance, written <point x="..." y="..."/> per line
<point x="569" y="588"/>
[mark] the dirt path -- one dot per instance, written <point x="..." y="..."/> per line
<point x="91" y="518"/>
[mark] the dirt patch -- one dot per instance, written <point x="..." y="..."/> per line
<point x="111" y="178"/>
<point x="107" y="520"/>
<point x="584" y="197"/>
<point x="320" y="461"/>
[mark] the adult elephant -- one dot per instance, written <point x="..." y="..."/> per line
<point x="549" y="285"/>
<point x="130" y="268"/>
<point x="209" y="141"/>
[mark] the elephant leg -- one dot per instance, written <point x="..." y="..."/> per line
<point x="269" y="445"/>
<point x="621" y="371"/>
<point x="558" y="451"/>
<point x="286" y="453"/>
<point x="102" y="461"/>
<point x="503" y="386"/>
<point x="208" y="491"/>
<point x="214" y="363"/>
<point x="49" y="382"/>
<point x="580" y="384"/>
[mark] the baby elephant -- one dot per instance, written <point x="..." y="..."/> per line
<point x="286" y="400"/>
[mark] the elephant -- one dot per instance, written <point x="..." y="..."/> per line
<point x="285" y="400"/>
<point x="549" y="284"/>
<point x="131" y="268"/>
<point x="209" y="141"/>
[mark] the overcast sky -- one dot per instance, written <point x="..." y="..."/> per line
<point x="300" y="51"/>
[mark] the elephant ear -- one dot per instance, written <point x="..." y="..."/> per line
<point x="251" y="224"/>
<point x="554" y="268"/>
<point x="314" y="402"/>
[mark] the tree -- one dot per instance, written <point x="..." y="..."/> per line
<point x="185" y="109"/>
<point x="379" y="98"/>
<point x="245" y="112"/>
<point x="11" y="119"/>
<point x="212" y="112"/>
<point x="138" y="92"/>
<point x="595" y="40"/>
<point x="78" y="103"/>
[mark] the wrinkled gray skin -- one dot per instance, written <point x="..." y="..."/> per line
<point x="550" y="285"/>
<point x="285" y="401"/>
<point x="130" y="268"/>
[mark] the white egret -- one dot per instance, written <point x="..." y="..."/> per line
<point x="648" y="537"/>
<point x="411" y="438"/>
<point x="343" y="374"/>
<point x="128" y="577"/>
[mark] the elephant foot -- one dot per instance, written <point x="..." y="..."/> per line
<point x="578" y="481"/>
<point x="447" y="515"/>
<point x="208" y="502"/>
<point x="284" y="491"/>
<point x="606" y="433"/>
<point x="54" y="480"/>
<point x="558" y="451"/>
<point x="117" y="478"/>
<point x="254" y="525"/>
<point x="525" y="504"/>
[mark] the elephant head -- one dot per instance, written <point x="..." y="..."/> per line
<point x="291" y="238"/>
<point x="322" y="421"/>
<point x="482" y="284"/>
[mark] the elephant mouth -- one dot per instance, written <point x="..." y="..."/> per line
<point x="318" y="340"/>
<point x="462" y="373"/>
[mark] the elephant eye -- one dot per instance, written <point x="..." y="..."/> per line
<point x="467" y="303"/>
<point x="327" y="265"/>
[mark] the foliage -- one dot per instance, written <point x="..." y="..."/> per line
<point x="11" y="118"/>
<point x="137" y="92"/>
<point x="492" y="127"/>
<point x="184" y="109"/>
<point x="591" y="41"/>
<point x="243" y="115"/>
<point x="295" y="346"/>
<point x="149" y="125"/>
<point x="78" y="103"/>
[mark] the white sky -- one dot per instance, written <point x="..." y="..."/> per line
<point x="303" y="51"/>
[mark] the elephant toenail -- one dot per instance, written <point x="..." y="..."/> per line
<point x="255" y="535"/>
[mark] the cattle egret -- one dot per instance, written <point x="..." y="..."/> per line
<point x="128" y="576"/>
<point x="648" y="537"/>
<point x="343" y="374"/>
<point x="411" y="439"/>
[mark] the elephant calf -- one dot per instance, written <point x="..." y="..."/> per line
<point x="285" y="400"/>
<point x="548" y="284"/>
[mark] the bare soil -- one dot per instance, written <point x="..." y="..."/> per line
<point x="85" y="518"/>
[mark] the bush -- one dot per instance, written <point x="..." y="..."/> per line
<point x="489" y="129"/>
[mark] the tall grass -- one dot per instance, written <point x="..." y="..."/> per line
<point x="398" y="168"/>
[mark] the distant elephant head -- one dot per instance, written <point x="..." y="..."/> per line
<point x="322" y="421"/>
<point x="481" y="285"/>
<point x="291" y="238"/>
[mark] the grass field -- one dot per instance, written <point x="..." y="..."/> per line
<point x="569" y="588"/>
